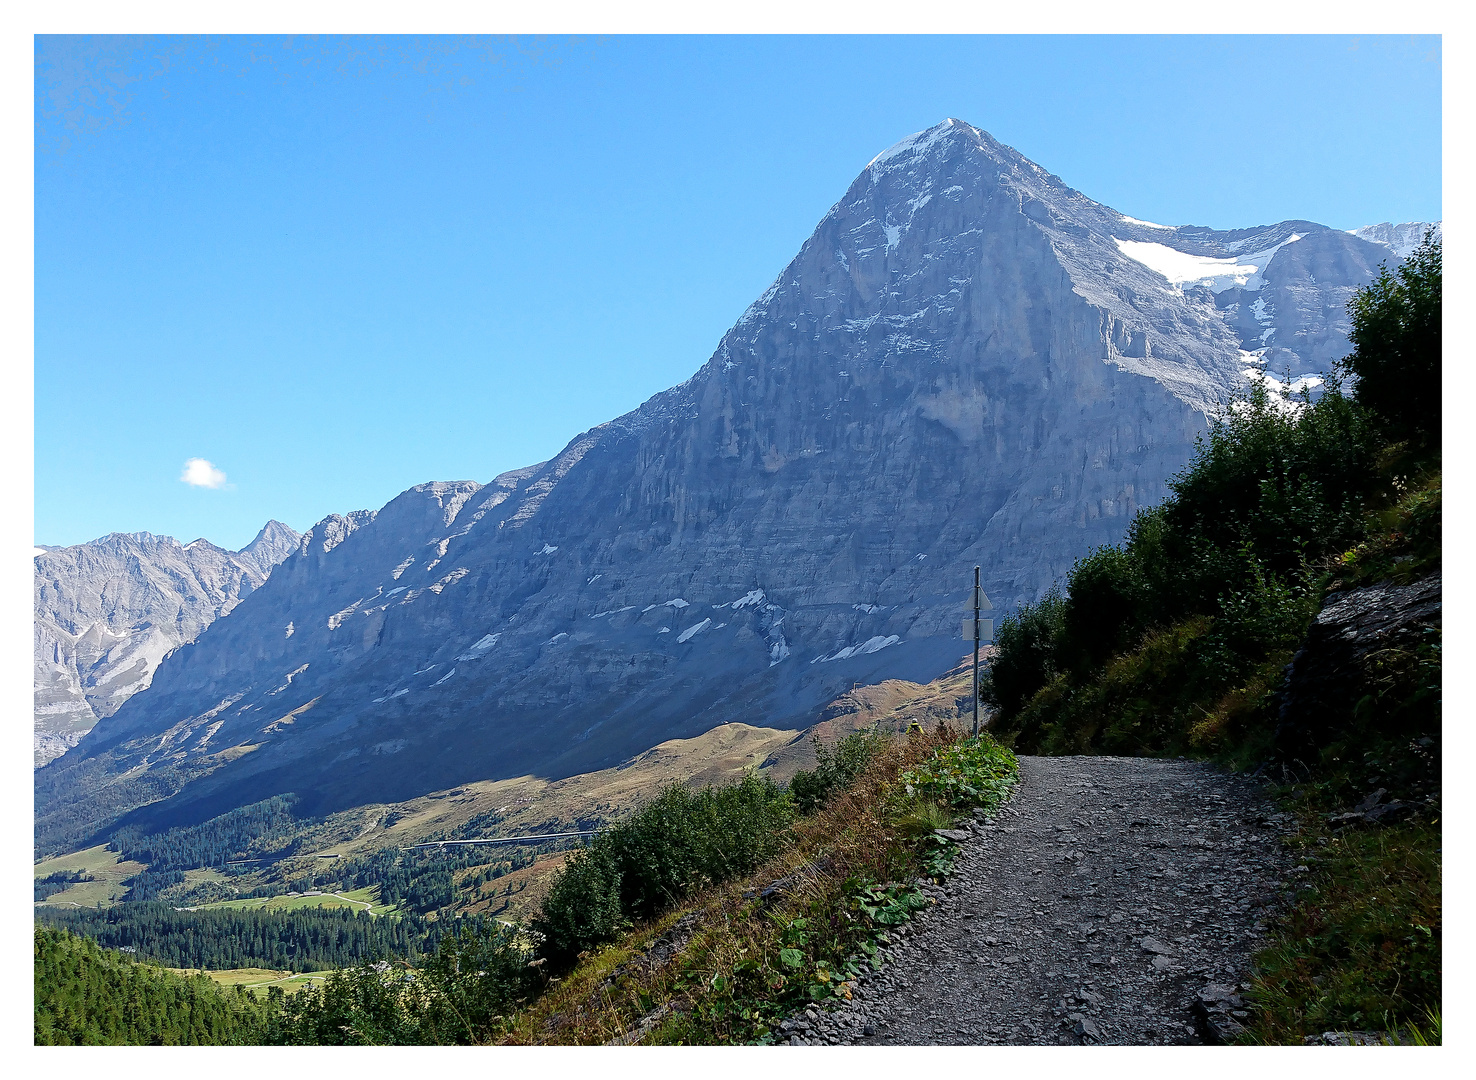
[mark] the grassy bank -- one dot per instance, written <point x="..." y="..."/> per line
<point x="725" y="967"/>
<point x="1361" y="948"/>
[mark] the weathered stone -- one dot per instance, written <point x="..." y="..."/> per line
<point x="1327" y="675"/>
<point x="1347" y="1038"/>
<point x="107" y="613"/>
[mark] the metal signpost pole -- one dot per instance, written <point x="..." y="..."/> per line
<point x="976" y="652"/>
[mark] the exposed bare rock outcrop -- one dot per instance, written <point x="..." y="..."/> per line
<point x="107" y="613"/>
<point x="1329" y="674"/>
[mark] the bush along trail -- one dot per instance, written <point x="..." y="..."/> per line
<point x="800" y="931"/>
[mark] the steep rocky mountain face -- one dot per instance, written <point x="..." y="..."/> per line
<point x="967" y="362"/>
<point x="107" y="612"/>
<point x="1399" y="239"/>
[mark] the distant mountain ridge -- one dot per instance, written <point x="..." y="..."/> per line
<point x="108" y="611"/>
<point x="967" y="362"/>
<point x="1400" y="239"/>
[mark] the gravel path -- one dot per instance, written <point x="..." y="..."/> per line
<point x="1108" y="897"/>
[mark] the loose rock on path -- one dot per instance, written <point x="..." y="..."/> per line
<point x="1112" y="900"/>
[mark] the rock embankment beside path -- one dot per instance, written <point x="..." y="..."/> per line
<point x="1113" y="900"/>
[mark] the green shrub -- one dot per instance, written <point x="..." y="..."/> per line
<point x="1105" y="614"/>
<point x="582" y="909"/>
<point x="683" y="840"/>
<point x="679" y="842"/>
<point x="976" y="771"/>
<point x="1288" y="485"/>
<point x="358" y="1006"/>
<point x="836" y="769"/>
<point x="479" y="974"/>
<point x="1396" y="337"/>
<point x="1026" y="654"/>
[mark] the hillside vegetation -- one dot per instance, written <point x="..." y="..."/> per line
<point x="704" y="918"/>
<point x="86" y="996"/>
<point x="308" y="939"/>
<point x="1178" y="640"/>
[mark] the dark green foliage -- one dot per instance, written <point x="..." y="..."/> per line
<point x="1109" y="595"/>
<point x="148" y="885"/>
<point x="683" y="840"/>
<point x="1392" y="739"/>
<point x="1396" y="340"/>
<point x="87" y="996"/>
<point x="1209" y="587"/>
<point x="460" y="995"/>
<point x="1027" y="658"/>
<point x="1282" y="488"/>
<point x="429" y="891"/>
<point x="835" y="770"/>
<point x="676" y="844"/>
<point x="308" y="939"/>
<point x="359" y="1006"/>
<point x="582" y="909"/>
<point x="232" y="835"/>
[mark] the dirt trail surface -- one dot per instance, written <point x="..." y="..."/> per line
<point x="1107" y="899"/>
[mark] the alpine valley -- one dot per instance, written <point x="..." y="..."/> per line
<point x="968" y="362"/>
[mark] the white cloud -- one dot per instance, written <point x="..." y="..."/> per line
<point x="200" y="473"/>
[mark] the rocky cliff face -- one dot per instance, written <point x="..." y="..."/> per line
<point x="107" y="612"/>
<point x="1399" y="239"/>
<point x="968" y="362"/>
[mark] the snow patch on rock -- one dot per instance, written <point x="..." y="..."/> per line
<point x="480" y="647"/>
<point x="1217" y="275"/>
<point x="692" y="631"/>
<point x="870" y="645"/>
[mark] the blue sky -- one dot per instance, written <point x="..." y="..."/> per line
<point x="335" y="268"/>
